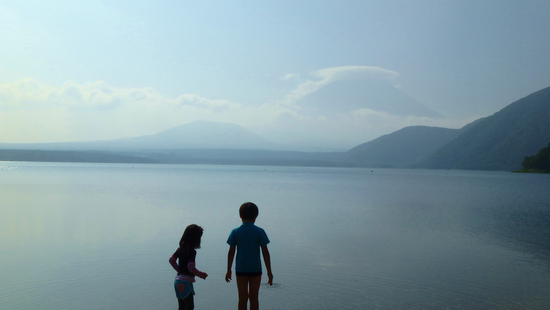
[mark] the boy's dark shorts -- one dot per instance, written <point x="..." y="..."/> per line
<point x="248" y="274"/>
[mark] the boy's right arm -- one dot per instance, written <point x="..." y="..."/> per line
<point x="230" y="256"/>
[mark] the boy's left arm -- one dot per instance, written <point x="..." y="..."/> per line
<point x="267" y="261"/>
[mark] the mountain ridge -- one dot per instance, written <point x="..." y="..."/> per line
<point x="199" y="134"/>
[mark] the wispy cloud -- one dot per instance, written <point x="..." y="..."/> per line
<point x="295" y="77"/>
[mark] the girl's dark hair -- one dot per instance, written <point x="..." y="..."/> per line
<point x="248" y="211"/>
<point x="192" y="236"/>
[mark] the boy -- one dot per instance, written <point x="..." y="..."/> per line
<point x="248" y="239"/>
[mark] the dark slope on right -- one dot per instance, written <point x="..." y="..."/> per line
<point x="500" y="141"/>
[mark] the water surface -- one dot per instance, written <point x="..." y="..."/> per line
<point x="98" y="236"/>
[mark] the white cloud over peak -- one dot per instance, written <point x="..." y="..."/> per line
<point x="326" y="76"/>
<point x="348" y="72"/>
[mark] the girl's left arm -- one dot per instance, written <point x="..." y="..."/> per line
<point x="173" y="262"/>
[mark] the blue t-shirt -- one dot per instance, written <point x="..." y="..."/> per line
<point x="248" y="238"/>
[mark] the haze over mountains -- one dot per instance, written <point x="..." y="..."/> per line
<point x="195" y="135"/>
<point x="497" y="142"/>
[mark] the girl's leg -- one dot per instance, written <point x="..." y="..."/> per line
<point x="182" y="288"/>
<point x="187" y="303"/>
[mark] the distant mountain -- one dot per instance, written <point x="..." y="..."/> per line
<point x="500" y="141"/>
<point x="352" y="94"/>
<point x="195" y="135"/>
<point x="404" y="148"/>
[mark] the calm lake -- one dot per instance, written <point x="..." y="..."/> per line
<point x="98" y="236"/>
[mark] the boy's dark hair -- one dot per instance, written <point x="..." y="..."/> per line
<point x="248" y="211"/>
<point x="192" y="236"/>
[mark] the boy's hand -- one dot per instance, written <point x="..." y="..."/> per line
<point x="205" y="275"/>
<point x="269" y="278"/>
<point x="228" y="277"/>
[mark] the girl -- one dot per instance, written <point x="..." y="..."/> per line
<point x="183" y="261"/>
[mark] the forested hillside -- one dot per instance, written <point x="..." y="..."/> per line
<point x="501" y="141"/>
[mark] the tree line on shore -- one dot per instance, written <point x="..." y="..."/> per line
<point x="537" y="163"/>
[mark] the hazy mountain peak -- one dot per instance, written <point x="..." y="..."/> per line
<point x="203" y="128"/>
<point x="352" y="94"/>
<point x="203" y="134"/>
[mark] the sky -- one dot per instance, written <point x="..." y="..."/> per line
<point x="92" y="70"/>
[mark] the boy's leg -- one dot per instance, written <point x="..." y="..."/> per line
<point x="248" y="288"/>
<point x="253" y="289"/>
<point x="242" y="288"/>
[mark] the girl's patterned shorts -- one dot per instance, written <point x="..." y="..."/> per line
<point x="183" y="288"/>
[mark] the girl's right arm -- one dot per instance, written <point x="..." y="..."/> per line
<point x="191" y="267"/>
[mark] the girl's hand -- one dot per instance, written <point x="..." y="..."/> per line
<point x="269" y="278"/>
<point x="205" y="275"/>
<point x="228" y="277"/>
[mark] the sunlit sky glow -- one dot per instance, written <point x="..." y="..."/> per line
<point x="89" y="70"/>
